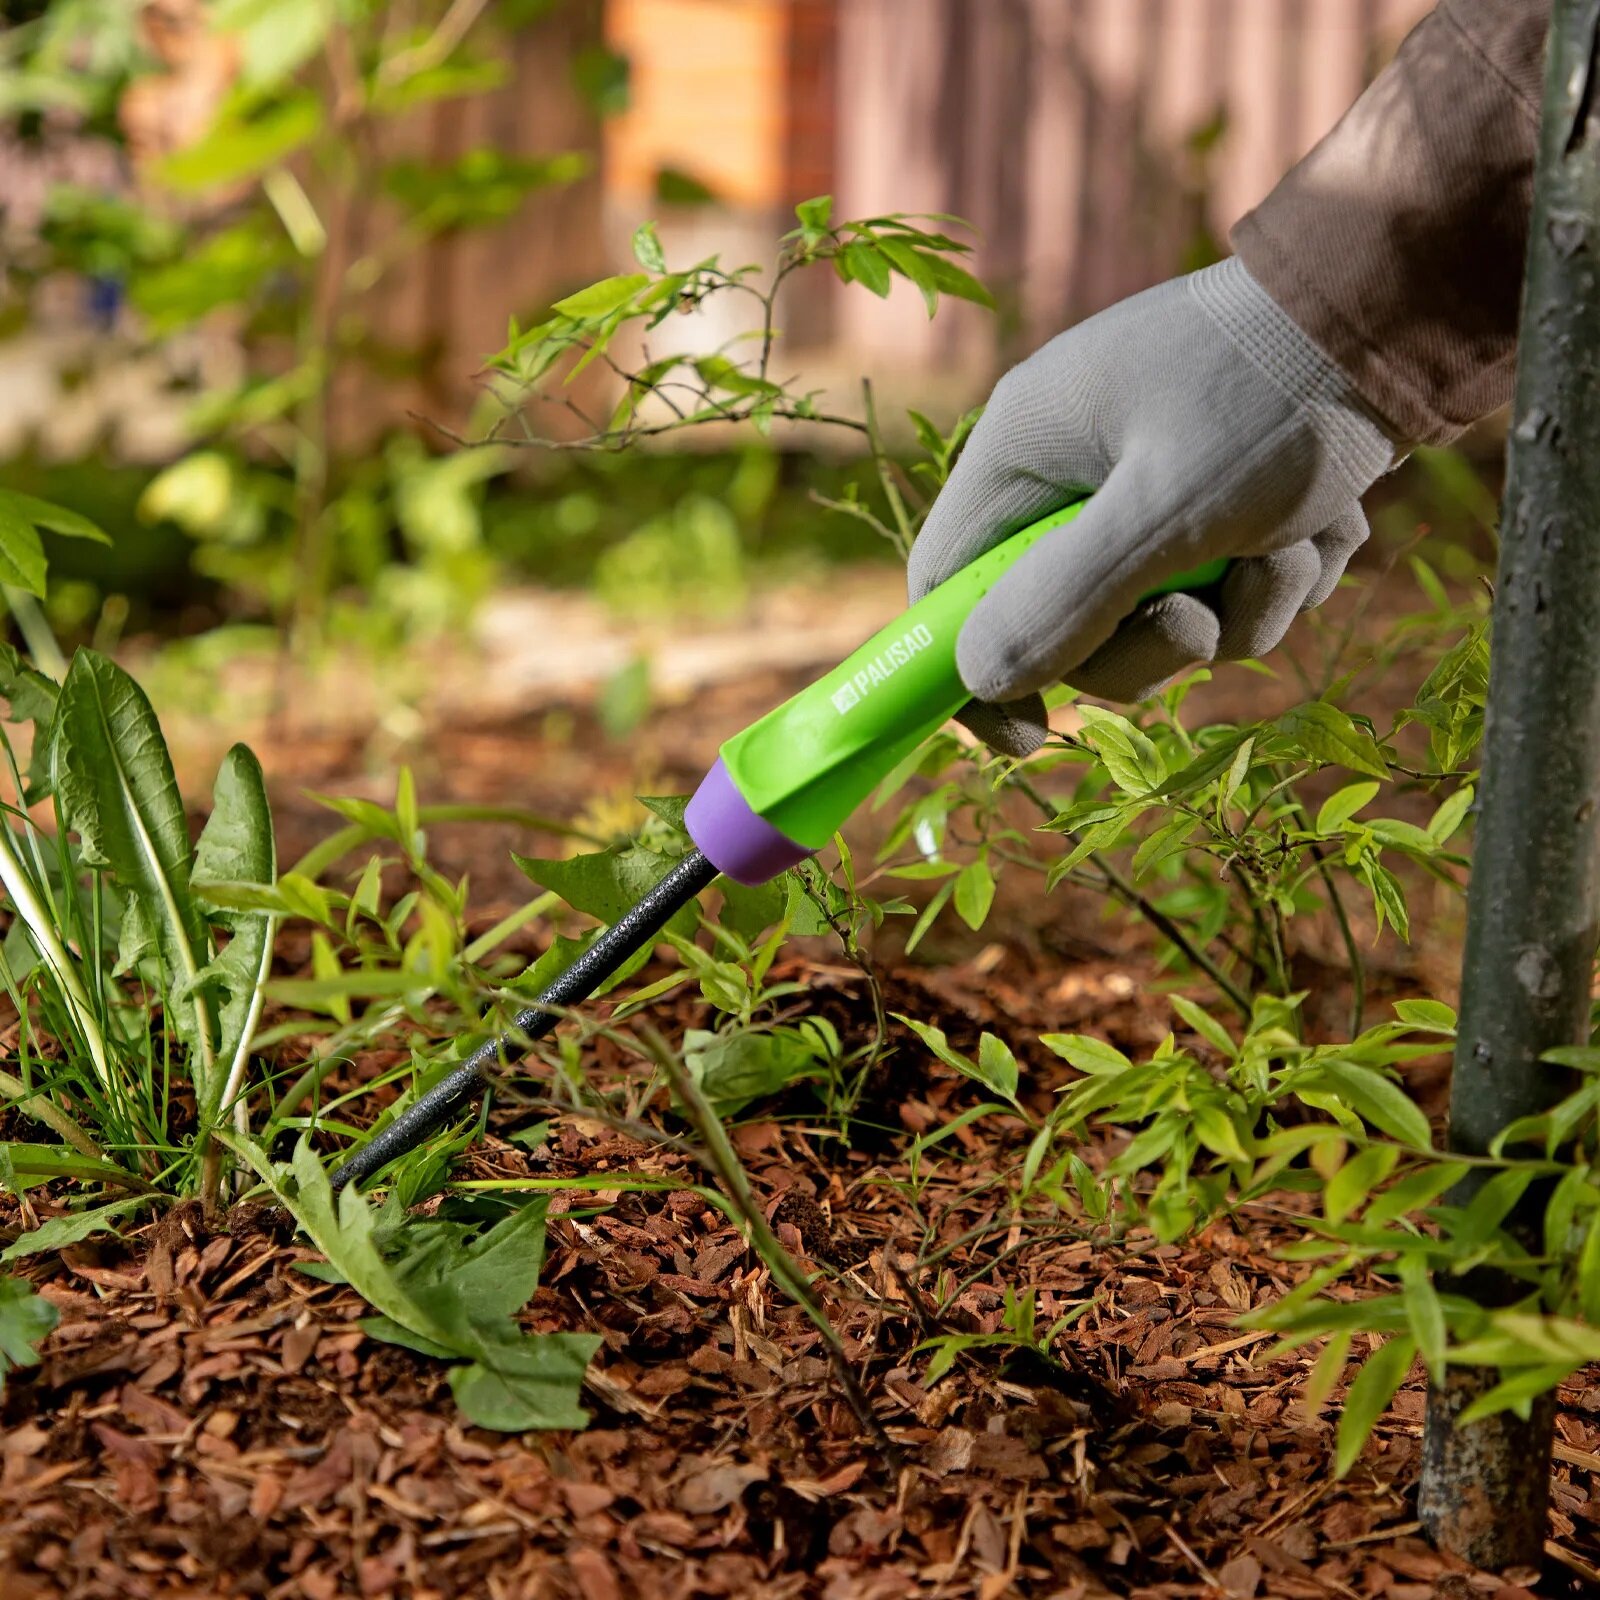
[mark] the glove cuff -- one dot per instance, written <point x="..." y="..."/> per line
<point x="1272" y="341"/>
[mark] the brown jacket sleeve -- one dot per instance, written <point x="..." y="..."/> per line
<point x="1398" y="243"/>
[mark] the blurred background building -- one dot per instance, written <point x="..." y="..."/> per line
<point x="1096" y="146"/>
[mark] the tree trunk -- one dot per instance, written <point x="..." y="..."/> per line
<point x="1531" y="920"/>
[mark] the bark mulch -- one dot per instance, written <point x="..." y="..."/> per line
<point x="208" y="1420"/>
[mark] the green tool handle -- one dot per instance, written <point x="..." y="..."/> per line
<point x="807" y="765"/>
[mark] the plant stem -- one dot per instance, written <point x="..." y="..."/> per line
<point x="880" y="459"/>
<point x="36" y="633"/>
<point x="41" y="928"/>
<point x="858" y="958"/>
<point x="721" y="1160"/>
<point x="1358" y="967"/>
<point x="1130" y="896"/>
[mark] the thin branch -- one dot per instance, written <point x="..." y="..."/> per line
<point x="1157" y="918"/>
<point x="437" y="47"/>
<point x="880" y="460"/>
<point x="1358" y="967"/>
<point x="602" y="440"/>
<point x="722" y="1162"/>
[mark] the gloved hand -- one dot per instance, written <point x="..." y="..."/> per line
<point x="1208" y="425"/>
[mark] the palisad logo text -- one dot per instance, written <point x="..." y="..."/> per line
<point x="881" y="667"/>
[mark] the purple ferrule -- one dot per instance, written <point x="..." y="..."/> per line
<point x="735" y="839"/>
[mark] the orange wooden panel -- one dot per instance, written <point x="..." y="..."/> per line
<point x="707" y="95"/>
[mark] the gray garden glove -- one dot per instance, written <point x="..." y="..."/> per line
<point x="1208" y="425"/>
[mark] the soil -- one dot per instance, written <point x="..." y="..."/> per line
<point x="207" y="1420"/>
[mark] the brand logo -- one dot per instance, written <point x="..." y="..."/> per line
<point x="881" y="668"/>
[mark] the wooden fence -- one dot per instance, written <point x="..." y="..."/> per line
<point x="1096" y="144"/>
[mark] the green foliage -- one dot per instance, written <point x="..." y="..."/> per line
<point x="445" y="1290"/>
<point x="607" y="324"/>
<point x="25" y="1318"/>
<point x="1018" y="1330"/>
<point x="119" y="793"/>
<point x="22" y="557"/>
<point x="245" y="230"/>
<point x="71" y="1227"/>
<point x="124" y="990"/>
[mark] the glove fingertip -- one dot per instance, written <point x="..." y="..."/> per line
<point x="1016" y="728"/>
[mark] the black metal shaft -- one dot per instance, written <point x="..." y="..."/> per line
<point x="452" y="1094"/>
<point x="1535" y="891"/>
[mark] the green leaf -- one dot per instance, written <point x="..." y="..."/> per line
<point x="237" y="148"/>
<point x="119" y="793"/>
<point x="607" y="883"/>
<point x="276" y="37"/>
<point x="31" y="695"/>
<point x="1381" y="1101"/>
<point x="1444" y="823"/>
<point x="816" y="213"/>
<point x="1431" y="1016"/>
<point x="1424" y="1313"/>
<point x="1217" y="1131"/>
<point x="1085" y="1052"/>
<point x="863" y="263"/>
<point x="388" y="1331"/>
<point x="1129" y="756"/>
<point x="1206" y="1026"/>
<point x="32" y="698"/>
<point x="930" y="913"/>
<point x="447" y="1299"/>
<point x="668" y="807"/>
<point x="735" y="1068"/>
<point x="36" y="1163"/>
<point x="1326" y="734"/>
<point x="974" y="893"/>
<point x="1354" y="1182"/>
<point x="647" y="249"/>
<point x="22" y="563"/>
<point x="1167" y="840"/>
<point x="492" y="1275"/>
<point x="342" y="1229"/>
<point x="995" y="1068"/>
<point x="1403" y="836"/>
<point x="1210" y="764"/>
<point x="237" y="845"/>
<point x="721" y="373"/>
<point x="1325" y="1375"/>
<point x="53" y="518"/>
<point x="1388" y="895"/>
<point x="1338" y="808"/>
<point x="1369" y="1395"/>
<point x="602" y="298"/>
<point x="913" y="265"/>
<point x="955" y="280"/>
<point x="532" y="1383"/>
<point x="70" y="1228"/>
<point x="25" y="1318"/>
<point x="1518" y="1391"/>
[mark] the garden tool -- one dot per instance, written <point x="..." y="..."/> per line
<point x="779" y="791"/>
